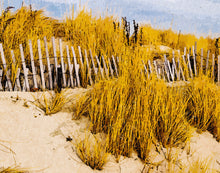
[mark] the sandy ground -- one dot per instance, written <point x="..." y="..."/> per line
<point x="37" y="142"/>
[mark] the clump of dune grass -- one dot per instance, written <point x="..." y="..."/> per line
<point x="92" y="153"/>
<point x="136" y="112"/>
<point x="51" y="103"/>
<point x="203" y="107"/>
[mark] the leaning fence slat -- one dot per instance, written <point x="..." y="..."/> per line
<point x="76" y="67"/>
<point x="55" y="61"/>
<point x="62" y="63"/>
<point x="32" y="64"/>
<point x="89" y="70"/>
<point x="194" y="60"/>
<point x="70" y="66"/>
<point x="100" y="68"/>
<point x="48" y="64"/>
<point x="207" y="62"/>
<point x="116" y="70"/>
<point x="170" y="71"/>
<point x="93" y="63"/>
<point x="145" y="68"/>
<point x="41" y="65"/>
<point x="24" y="68"/>
<point x="110" y="67"/>
<point x="150" y="68"/>
<point x="105" y="67"/>
<point x="189" y="65"/>
<point x="80" y="56"/>
<point x="5" y="67"/>
<point x="155" y="66"/>
<point x="166" y="68"/>
<point x="175" y="69"/>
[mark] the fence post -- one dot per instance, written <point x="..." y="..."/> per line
<point x="48" y="64"/>
<point x="13" y="56"/>
<point x="32" y="64"/>
<point x="41" y="65"/>
<point x="76" y="67"/>
<point x="5" y="67"/>
<point x="80" y="56"/>
<point x="55" y="61"/>
<point x="70" y="66"/>
<point x="62" y="63"/>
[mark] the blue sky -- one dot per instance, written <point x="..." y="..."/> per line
<point x="200" y="17"/>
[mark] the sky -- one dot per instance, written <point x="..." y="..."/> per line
<point x="200" y="17"/>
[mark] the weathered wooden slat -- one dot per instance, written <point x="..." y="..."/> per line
<point x="55" y="62"/>
<point x="32" y="64"/>
<point x="189" y="65"/>
<point x="146" y="71"/>
<point x="150" y="68"/>
<point x="80" y="56"/>
<point x="110" y="67"/>
<point x="155" y="66"/>
<point x="114" y="63"/>
<point x="48" y="64"/>
<point x="24" y="68"/>
<point x="89" y="70"/>
<point x="62" y="63"/>
<point x="166" y="68"/>
<point x="170" y="71"/>
<point x="76" y="67"/>
<point x="41" y="66"/>
<point x="184" y="53"/>
<point x="105" y="67"/>
<point x="207" y="63"/>
<point x="70" y="66"/>
<point x="93" y="63"/>
<point x="175" y="69"/>
<point x="100" y="68"/>
<point x="5" y="67"/>
<point x="194" y="60"/>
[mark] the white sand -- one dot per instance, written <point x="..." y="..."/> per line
<point x="37" y="142"/>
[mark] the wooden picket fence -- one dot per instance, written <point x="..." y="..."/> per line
<point x="54" y="75"/>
